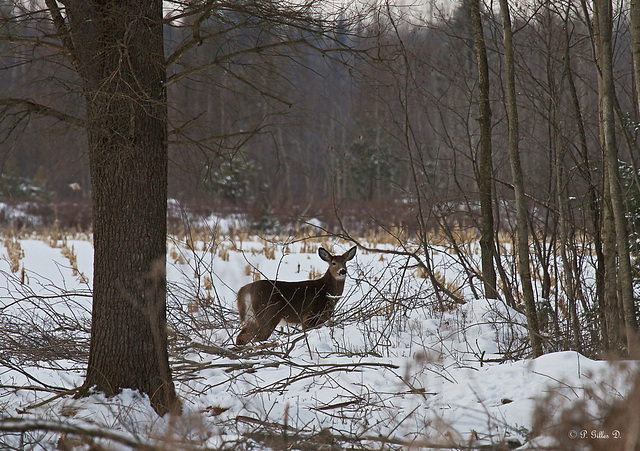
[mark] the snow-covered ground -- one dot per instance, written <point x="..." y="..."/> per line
<point x="395" y="368"/>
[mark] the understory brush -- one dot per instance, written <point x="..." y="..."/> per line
<point x="397" y="366"/>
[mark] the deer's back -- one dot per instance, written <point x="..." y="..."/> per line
<point x="291" y="300"/>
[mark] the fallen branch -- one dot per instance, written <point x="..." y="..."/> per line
<point x="274" y="429"/>
<point x="48" y="400"/>
<point x="22" y="426"/>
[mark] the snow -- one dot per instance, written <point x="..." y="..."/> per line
<point x="393" y="368"/>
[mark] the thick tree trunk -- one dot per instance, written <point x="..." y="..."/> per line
<point x="118" y="48"/>
<point x="484" y="174"/>
<point x="522" y="220"/>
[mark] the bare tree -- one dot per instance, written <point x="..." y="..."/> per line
<point x="115" y="52"/>
<point x="522" y="221"/>
<point x="593" y="202"/>
<point x="484" y="174"/>
<point x="603" y="16"/>
<point x="635" y="44"/>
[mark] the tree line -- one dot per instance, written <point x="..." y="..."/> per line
<point x="322" y="123"/>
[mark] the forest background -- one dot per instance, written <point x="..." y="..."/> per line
<point x="289" y="132"/>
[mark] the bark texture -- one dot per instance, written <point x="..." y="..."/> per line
<point x="604" y="29"/>
<point x="117" y="48"/>
<point x="522" y="220"/>
<point x="484" y="172"/>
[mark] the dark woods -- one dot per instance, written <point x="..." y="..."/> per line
<point x="280" y="122"/>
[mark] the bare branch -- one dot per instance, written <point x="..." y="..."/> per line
<point x="36" y="41"/>
<point x="63" y="33"/>
<point x="31" y="107"/>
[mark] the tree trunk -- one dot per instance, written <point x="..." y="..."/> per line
<point x="117" y="48"/>
<point x="603" y="11"/>
<point x="635" y="44"/>
<point x="612" y="308"/>
<point x="484" y="173"/>
<point x="593" y="201"/>
<point x="563" y="242"/>
<point x="522" y="225"/>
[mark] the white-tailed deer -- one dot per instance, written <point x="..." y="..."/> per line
<point x="263" y="304"/>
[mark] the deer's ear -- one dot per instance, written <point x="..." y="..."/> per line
<point x="350" y="253"/>
<point x="324" y="254"/>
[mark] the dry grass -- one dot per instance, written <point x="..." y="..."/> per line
<point x="14" y="253"/>
<point x="70" y="254"/>
<point x="593" y="422"/>
<point x="223" y="253"/>
<point x="176" y="255"/>
<point x="315" y="273"/>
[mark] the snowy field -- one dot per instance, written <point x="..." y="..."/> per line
<point x="394" y="369"/>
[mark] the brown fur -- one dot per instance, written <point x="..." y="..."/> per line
<point x="263" y="304"/>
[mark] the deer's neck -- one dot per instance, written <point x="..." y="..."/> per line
<point x="333" y="286"/>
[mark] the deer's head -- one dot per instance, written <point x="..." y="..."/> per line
<point x="337" y="263"/>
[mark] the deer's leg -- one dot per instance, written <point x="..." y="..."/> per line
<point x="247" y="333"/>
<point x="270" y="317"/>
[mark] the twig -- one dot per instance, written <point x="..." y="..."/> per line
<point x="215" y="350"/>
<point x="48" y="400"/>
<point x="342" y="437"/>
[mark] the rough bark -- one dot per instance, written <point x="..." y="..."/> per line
<point x="484" y="173"/>
<point x="635" y="44"/>
<point x="603" y="12"/>
<point x="117" y="48"/>
<point x="522" y="221"/>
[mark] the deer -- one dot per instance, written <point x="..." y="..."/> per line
<point x="263" y="304"/>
